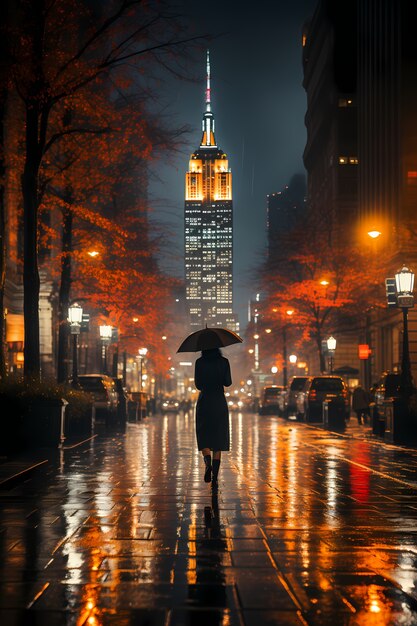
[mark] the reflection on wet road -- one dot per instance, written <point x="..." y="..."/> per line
<point x="309" y="527"/>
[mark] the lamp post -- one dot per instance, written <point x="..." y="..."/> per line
<point x="404" y="282"/>
<point x="75" y="316"/>
<point x="331" y="348"/>
<point x="290" y="313"/>
<point x="105" y="336"/>
<point x="142" y="353"/>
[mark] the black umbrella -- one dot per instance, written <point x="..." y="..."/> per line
<point x="208" y="338"/>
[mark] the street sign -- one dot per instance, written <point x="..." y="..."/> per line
<point x="391" y="292"/>
<point x="85" y="323"/>
<point x="364" y="351"/>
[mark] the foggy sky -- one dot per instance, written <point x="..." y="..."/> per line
<point x="258" y="104"/>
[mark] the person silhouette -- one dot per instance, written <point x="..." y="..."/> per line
<point x="212" y="374"/>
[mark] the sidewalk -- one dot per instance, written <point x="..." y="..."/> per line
<point x="309" y="528"/>
<point x="16" y="469"/>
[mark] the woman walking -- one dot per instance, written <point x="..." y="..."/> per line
<point x="212" y="374"/>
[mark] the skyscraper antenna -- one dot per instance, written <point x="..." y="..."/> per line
<point x="208" y="89"/>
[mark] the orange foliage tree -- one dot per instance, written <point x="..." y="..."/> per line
<point x="328" y="285"/>
<point x="61" y="48"/>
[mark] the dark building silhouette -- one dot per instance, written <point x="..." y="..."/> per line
<point x="387" y="99"/>
<point x="330" y="80"/>
<point x="360" y="68"/>
<point x="284" y="209"/>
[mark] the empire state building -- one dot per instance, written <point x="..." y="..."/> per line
<point x="209" y="230"/>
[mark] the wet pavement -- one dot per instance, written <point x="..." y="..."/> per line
<point x="308" y="528"/>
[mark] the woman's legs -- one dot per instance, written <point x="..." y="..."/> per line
<point x="207" y="460"/>
<point x="216" y="466"/>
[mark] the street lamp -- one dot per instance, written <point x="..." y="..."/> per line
<point x="290" y="313"/>
<point x="331" y="348"/>
<point x="75" y="316"/>
<point x="404" y="282"/>
<point x="142" y="353"/>
<point x="105" y="336"/>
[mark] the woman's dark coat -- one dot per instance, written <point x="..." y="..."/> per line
<point x="212" y="413"/>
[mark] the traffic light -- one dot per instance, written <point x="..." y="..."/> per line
<point x="391" y="292"/>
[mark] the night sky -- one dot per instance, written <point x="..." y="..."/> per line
<point x="259" y="105"/>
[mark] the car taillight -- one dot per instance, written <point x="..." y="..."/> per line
<point x="312" y="394"/>
<point x="344" y="393"/>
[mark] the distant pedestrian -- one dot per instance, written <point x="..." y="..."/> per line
<point x="212" y="374"/>
<point x="360" y="404"/>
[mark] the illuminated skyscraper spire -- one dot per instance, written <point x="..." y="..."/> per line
<point x="208" y="140"/>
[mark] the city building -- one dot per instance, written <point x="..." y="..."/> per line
<point x="331" y="152"/>
<point x="208" y="235"/>
<point x="359" y="63"/>
<point x="284" y="209"/>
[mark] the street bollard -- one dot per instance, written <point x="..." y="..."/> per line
<point x="62" y="432"/>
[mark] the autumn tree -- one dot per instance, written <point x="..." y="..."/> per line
<point x="328" y="285"/>
<point x="63" y="47"/>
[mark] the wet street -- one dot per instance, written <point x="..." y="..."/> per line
<point x="309" y="527"/>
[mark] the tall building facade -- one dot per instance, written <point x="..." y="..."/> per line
<point x="284" y="210"/>
<point x="208" y="230"/>
<point x="330" y="81"/>
<point x="360" y="63"/>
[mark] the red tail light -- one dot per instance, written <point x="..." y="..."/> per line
<point x="312" y="394"/>
<point x="345" y="393"/>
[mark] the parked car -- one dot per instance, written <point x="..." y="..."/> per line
<point x="235" y="404"/>
<point x="103" y="391"/>
<point x="387" y="387"/>
<point x="269" y="404"/>
<point x="320" y="388"/>
<point x="296" y="386"/>
<point x="122" y="399"/>
<point x="170" y="405"/>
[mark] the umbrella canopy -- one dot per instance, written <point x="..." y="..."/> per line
<point x="208" y="338"/>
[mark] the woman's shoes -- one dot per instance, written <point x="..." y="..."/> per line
<point x="207" y="474"/>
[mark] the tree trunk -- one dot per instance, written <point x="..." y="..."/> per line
<point x="322" y="360"/>
<point x="4" y="72"/>
<point x="2" y="239"/>
<point x="31" y="283"/>
<point x="64" y="295"/>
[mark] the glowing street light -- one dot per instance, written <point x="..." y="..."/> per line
<point x="105" y="336"/>
<point x="331" y="347"/>
<point x="404" y="281"/>
<point x="93" y="253"/>
<point x="75" y="317"/>
<point x="142" y="354"/>
<point x="374" y="234"/>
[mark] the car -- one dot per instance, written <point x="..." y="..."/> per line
<point x="388" y="386"/>
<point x="269" y="404"/>
<point x="296" y="386"/>
<point x="170" y="405"/>
<point x="318" y="389"/>
<point x="103" y="391"/>
<point x="235" y="404"/>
